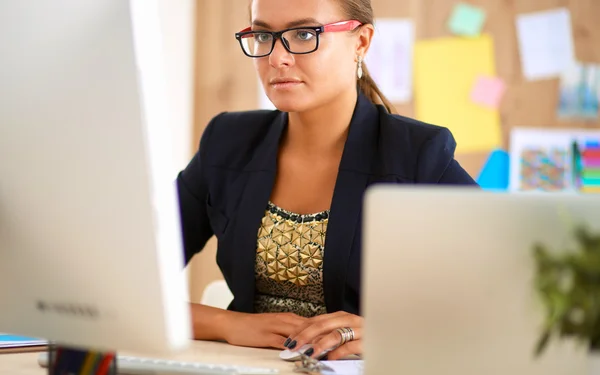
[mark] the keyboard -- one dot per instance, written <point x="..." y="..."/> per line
<point x="127" y="365"/>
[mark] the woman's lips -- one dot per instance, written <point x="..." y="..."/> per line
<point x="282" y="84"/>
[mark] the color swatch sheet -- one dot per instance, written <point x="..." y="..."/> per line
<point x="586" y="174"/>
<point x="555" y="160"/>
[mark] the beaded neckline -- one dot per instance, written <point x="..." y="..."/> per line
<point x="300" y="218"/>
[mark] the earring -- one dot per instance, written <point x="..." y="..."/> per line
<point x="359" y="73"/>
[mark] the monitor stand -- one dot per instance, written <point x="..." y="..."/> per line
<point x="64" y="360"/>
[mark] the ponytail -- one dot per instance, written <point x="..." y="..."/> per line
<point x="368" y="86"/>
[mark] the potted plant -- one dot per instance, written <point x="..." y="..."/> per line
<point x="568" y="283"/>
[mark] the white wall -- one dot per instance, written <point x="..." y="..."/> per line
<point x="177" y="18"/>
<point x="178" y="23"/>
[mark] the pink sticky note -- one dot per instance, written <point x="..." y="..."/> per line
<point x="488" y="91"/>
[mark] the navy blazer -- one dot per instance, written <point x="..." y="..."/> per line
<point x="226" y="187"/>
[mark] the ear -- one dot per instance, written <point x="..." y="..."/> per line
<point x="363" y="42"/>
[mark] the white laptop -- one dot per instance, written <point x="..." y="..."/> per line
<point x="448" y="282"/>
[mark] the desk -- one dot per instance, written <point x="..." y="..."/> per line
<point x="199" y="351"/>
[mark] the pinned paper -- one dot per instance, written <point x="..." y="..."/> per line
<point x="545" y="43"/>
<point x="539" y="160"/>
<point x="579" y="93"/>
<point x="390" y="57"/>
<point x="466" y="20"/>
<point x="445" y="70"/>
<point x="488" y="91"/>
<point x="495" y="172"/>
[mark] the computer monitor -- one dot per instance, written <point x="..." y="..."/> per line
<point x="449" y="280"/>
<point x="90" y="240"/>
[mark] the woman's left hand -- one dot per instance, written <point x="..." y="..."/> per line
<point x="321" y="332"/>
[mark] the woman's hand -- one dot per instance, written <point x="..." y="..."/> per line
<point x="321" y="332"/>
<point x="268" y="330"/>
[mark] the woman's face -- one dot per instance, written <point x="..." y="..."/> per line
<point x="296" y="83"/>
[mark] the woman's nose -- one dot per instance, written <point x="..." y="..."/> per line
<point x="280" y="55"/>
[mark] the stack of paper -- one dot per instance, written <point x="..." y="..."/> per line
<point x="348" y="367"/>
<point x="14" y="341"/>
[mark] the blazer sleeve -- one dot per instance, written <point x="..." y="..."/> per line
<point x="436" y="162"/>
<point x="192" y="189"/>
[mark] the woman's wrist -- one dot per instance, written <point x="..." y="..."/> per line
<point x="210" y="323"/>
<point x="224" y="323"/>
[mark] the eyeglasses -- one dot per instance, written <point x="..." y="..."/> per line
<point x="296" y="40"/>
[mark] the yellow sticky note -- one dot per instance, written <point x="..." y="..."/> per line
<point x="445" y="71"/>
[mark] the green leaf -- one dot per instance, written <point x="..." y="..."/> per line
<point x="568" y="284"/>
<point x="542" y="343"/>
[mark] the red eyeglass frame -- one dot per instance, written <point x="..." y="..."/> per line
<point x="331" y="27"/>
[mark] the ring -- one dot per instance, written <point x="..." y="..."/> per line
<point x="347" y="334"/>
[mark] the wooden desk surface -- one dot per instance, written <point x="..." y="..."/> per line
<point x="199" y="351"/>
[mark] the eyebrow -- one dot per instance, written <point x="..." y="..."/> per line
<point x="300" y="22"/>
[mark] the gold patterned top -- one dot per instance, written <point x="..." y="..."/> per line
<point x="289" y="262"/>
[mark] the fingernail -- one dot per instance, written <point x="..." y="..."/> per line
<point x="309" y="352"/>
<point x="287" y="342"/>
<point x="292" y="345"/>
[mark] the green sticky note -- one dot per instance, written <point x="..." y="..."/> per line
<point x="466" y="20"/>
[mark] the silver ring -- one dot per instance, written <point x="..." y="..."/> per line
<point x="342" y="336"/>
<point x="350" y="334"/>
<point x="346" y="334"/>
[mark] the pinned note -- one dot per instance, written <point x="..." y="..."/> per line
<point x="545" y="43"/>
<point x="488" y="91"/>
<point x="390" y="58"/>
<point x="466" y="20"/>
<point x="445" y="70"/>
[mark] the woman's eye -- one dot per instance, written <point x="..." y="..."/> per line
<point x="262" y="38"/>
<point x="305" y="35"/>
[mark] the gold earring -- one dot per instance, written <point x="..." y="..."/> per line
<point x="359" y="72"/>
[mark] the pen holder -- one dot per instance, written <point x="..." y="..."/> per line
<point x="64" y="360"/>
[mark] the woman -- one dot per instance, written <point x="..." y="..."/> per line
<point x="282" y="190"/>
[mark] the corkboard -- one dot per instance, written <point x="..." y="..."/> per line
<point x="526" y="103"/>
<point x="226" y="80"/>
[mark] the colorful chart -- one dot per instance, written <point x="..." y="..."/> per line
<point x="544" y="169"/>
<point x="586" y="165"/>
<point x="554" y="160"/>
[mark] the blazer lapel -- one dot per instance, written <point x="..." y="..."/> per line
<point x="346" y="207"/>
<point x="259" y="180"/>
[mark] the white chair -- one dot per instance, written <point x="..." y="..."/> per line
<point x="217" y="294"/>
